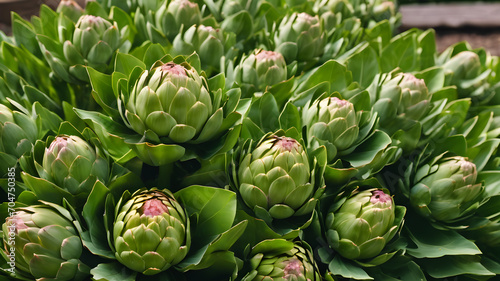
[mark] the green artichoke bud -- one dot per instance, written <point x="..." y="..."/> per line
<point x="172" y="101"/>
<point x="332" y="122"/>
<point x="172" y="16"/>
<point x="276" y="177"/>
<point x="47" y="245"/>
<point x="18" y="133"/>
<point x="206" y="41"/>
<point x="151" y="231"/>
<point x="384" y="11"/>
<point x="300" y="37"/>
<point x="296" y="264"/>
<point x="71" y="9"/>
<point x="464" y="70"/>
<point x="72" y="164"/>
<point x="411" y="103"/>
<point x="261" y="69"/>
<point x="401" y="102"/>
<point x="415" y="97"/>
<point x="464" y="65"/>
<point x="95" y="40"/>
<point x="363" y="225"/>
<point x="446" y="191"/>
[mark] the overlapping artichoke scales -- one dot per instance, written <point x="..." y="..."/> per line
<point x="276" y="176"/>
<point x="69" y="162"/>
<point x="94" y="42"/>
<point x="261" y="69"/>
<point x="47" y="245"/>
<point x="300" y="37"/>
<point x="363" y="225"/>
<point x="331" y="122"/>
<point x="70" y="8"/>
<point x="296" y="264"/>
<point x="172" y="101"/>
<point x="150" y="232"/>
<point x="407" y="94"/>
<point x="175" y="14"/>
<point x="18" y="133"/>
<point x="208" y="42"/>
<point x="447" y="191"/>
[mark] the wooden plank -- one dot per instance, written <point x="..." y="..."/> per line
<point x="484" y="15"/>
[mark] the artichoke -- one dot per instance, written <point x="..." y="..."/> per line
<point x="331" y="122"/>
<point x="173" y="15"/>
<point x="275" y="178"/>
<point x="260" y="69"/>
<point x="300" y="37"/>
<point x="208" y="42"/>
<point x="93" y="43"/>
<point x="363" y="224"/>
<point x="463" y="66"/>
<point x="18" y="133"/>
<point x="384" y="11"/>
<point x="71" y="9"/>
<point x="171" y="101"/>
<point x="151" y="231"/>
<point x="446" y="191"/>
<point x="401" y="100"/>
<point x="282" y="261"/>
<point x="47" y="245"/>
<point x="72" y="164"/>
<point x="465" y="71"/>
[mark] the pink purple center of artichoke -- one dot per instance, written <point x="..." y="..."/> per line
<point x="187" y="3"/>
<point x="91" y="19"/>
<point x="339" y="102"/>
<point x="60" y="143"/>
<point x="410" y="78"/>
<point x="268" y="55"/>
<point x="207" y="28"/>
<point x="467" y="166"/>
<point x="378" y="196"/>
<point x="305" y="17"/>
<point x="287" y="144"/>
<point x="18" y="222"/>
<point x="173" y="68"/>
<point x="292" y="269"/>
<point x="153" y="207"/>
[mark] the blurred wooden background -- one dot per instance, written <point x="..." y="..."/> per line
<point x="25" y="8"/>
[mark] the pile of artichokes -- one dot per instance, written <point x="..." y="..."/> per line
<point x="245" y="140"/>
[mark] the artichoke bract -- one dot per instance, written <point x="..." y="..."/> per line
<point x="363" y="225"/>
<point x="208" y="42"/>
<point x="173" y="102"/>
<point x="402" y="99"/>
<point x="331" y="122"/>
<point x="464" y="65"/>
<point x="71" y="9"/>
<point x="300" y="37"/>
<point x="151" y="231"/>
<point x="95" y="40"/>
<point x="173" y="15"/>
<point x="47" y="245"/>
<point x="261" y="69"/>
<point x="276" y="177"/>
<point x="446" y="191"/>
<point x="18" y="133"/>
<point x="72" y="164"/>
<point x="288" y="263"/>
